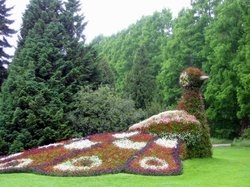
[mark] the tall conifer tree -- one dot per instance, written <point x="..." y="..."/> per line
<point x="140" y="82"/>
<point x="5" y="31"/>
<point x="50" y="66"/>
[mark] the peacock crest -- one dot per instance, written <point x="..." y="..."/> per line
<point x="192" y="78"/>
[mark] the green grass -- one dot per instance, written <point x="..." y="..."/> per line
<point x="229" y="167"/>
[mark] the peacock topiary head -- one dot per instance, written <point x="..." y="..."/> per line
<point x="192" y="78"/>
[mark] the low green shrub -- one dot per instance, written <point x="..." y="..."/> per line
<point x="241" y="142"/>
<point x="101" y="110"/>
<point x="246" y="134"/>
<point x="244" y="140"/>
<point x="220" y="141"/>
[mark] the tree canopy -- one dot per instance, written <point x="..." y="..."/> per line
<point x="5" y="32"/>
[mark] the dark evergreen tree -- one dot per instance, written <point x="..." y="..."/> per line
<point x="50" y="66"/>
<point x="140" y="82"/>
<point x="5" y="31"/>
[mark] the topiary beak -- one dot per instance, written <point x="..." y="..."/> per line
<point x="204" y="77"/>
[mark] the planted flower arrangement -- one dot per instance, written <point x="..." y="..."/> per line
<point x="131" y="152"/>
<point x="174" y="124"/>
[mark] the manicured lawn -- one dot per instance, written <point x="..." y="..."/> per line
<point x="229" y="167"/>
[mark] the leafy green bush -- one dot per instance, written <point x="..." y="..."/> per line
<point x="241" y="142"/>
<point x="222" y="133"/>
<point x="102" y="111"/>
<point x="246" y="134"/>
<point x="244" y="140"/>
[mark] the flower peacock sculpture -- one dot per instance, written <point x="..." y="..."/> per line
<point x="189" y="121"/>
<point x="191" y="79"/>
<point x="154" y="146"/>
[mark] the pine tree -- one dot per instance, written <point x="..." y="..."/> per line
<point x="140" y="81"/>
<point x="49" y="68"/>
<point x="5" y="31"/>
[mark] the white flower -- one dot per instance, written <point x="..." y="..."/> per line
<point x="81" y="144"/>
<point x="19" y="163"/>
<point x="166" y="117"/>
<point x="10" y="156"/>
<point x="125" y="134"/>
<point x="50" y="145"/>
<point x="156" y="163"/>
<point x="168" y="143"/>
<point x="184" y="79"/>
<point x="128" y="144"/>
<point x="73" y="165"/>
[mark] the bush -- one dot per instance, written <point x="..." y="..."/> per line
<point x="222" y="133"/>
<point x="244" y="140"/>
<point x="241" y="142"/>
<point x="102" y="111"/>
<point x="246" y="134"/>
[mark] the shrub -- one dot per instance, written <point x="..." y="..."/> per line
<point x="246" y="134"/>
<point x="244" y="140"/>
<point x="98" y="111"/>
<point x="241" y="142"/>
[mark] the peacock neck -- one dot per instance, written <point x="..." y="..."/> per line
<point x="192" y="102"/>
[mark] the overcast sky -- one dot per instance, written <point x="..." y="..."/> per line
<point x="106" y="16"/>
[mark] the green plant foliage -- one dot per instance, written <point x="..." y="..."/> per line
<point x="224" y="92"/>
<point x="185" y="47"/>
<point x="102" y="111"/>
<point x="5" y="31"/>
<point x="243" y="66"/>
<point x="121" y="50"/>
<point x="246" y="134"/>
<point x="49" y="68"/>
<point x="139" y="83"/>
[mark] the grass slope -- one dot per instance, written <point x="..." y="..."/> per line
<point x="229" y="167"/>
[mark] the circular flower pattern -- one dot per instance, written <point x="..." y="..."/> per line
<point x="81" y="144"/>
<point x="153" y="163"/>
<point x="19" y="163"/>
<point x="168" y="143"/>
<point x="81" y="163"/>
<point x="125" y="134"/>
<point x="128" y="144"/>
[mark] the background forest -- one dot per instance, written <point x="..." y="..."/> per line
<point x="58" y="87"/>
